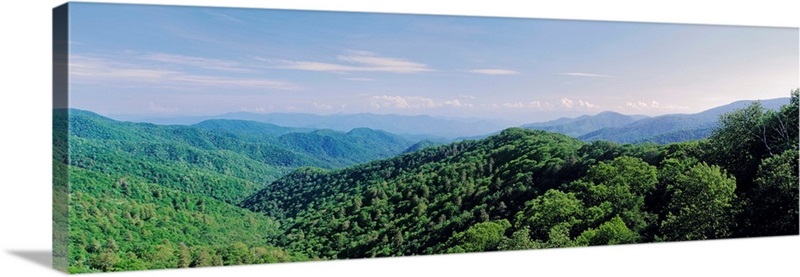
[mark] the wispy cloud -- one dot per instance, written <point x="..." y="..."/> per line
<point x="414" y="102"/>
<point x="207" y="63"/>
<point x="534" y="105"/>
<point x="494" y="71"/>
<point x="158" y="108"/>
<point x="455" y="103"/>
<point x="359" y="79"/>
<point x="358" y="61"/>
<point x="584" y="74"/>
<point x="652" y="105"/>
<point x="322" y="106"/>
<point x="100" y="71"/>
<point x="569" y="103"/>
<point x="226" y="17"/>
<point x="466" y="96"/>
<point x="402" y="102"/>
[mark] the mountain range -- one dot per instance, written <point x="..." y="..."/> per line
<point x="228" y="192"/>
<point x="411" y="127"/>
<point x="225" y="159"/>
<point x="662" y="129"/>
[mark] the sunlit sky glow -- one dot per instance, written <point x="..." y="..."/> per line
<point x="165" y="61"/>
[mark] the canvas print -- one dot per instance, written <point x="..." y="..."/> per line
<point x="198" y="136"/>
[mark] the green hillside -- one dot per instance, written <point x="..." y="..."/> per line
<point x="525" y="189"/>
<point x="123" y="223"/>
<point x="225" y="162"/>
<point x="147" y="196"/>
<point x="416" y="203"/>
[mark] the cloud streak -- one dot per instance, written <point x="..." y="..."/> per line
<point x="652" y="105"/>
<point x="99" y="71"/>
<point x="413" y="102"/>
<point x="358" y="61"/>
<point x="207" y="63"/>
<point x="584" y="74"/>
<point x="569" y="104"/>
<point x="494" y="71"/>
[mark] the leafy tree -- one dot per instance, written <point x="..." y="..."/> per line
<point x="553" y="208"/>
<point x="484" y="236"/>
<point x="609" y="233"/>
<point x="519" y="240"/>
<point x="773" y="203"/>
<point x="701" y="205"/>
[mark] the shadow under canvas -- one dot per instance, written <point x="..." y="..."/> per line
<point x="40" y="257"/>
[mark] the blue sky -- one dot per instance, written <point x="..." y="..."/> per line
<point x="165" y="61"/>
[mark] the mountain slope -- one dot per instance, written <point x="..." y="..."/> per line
<point x="228" y="161"/>
<point x="412" y="204"/>
<point x="122" y="223"/>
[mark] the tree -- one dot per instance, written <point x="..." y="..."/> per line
<point x="484" y="236"/>
<point x="618" y="188"/>
<point x="105" y="261"/>
<point x="202" y="257"/>
<point x="519" y="240"/>
<point x="773" y="204"/>
<point x="184" y="256"/>
<point x="546" y="211"/>
<point x="236" y="254"/>
<point x="611" y="232"/>
<point x="701" y="206"/>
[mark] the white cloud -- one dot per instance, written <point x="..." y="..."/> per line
<point x="322" y="106"/>
<point x="521" y="105"/>
<point x="569" y="103"/>
<point x="414" y="102"/>
<point x="402" y="102"/>
<point x="358" y="61"/>
<point x="494" y="71"/>
<point x="255" y="110"/>
<point x="157" y="108"/>
<point x="201" y="62"/>
<point x="359" y="79"/>
<point x="583" y="74"/>
<point x="455" y="103"/>
<point x="466" y="96"/>
<point x="99" y="71"/>
<point x="652" y="105"/>
<point x="226" y="17"/>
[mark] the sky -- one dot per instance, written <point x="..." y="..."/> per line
<point x="176" y="61"/>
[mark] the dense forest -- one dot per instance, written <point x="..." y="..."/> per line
<point x="236" y="192"/>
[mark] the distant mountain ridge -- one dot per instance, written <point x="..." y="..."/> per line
<point x="683" y="127"/>
<point x="435" y="127"/>
<point x="669" y="128"/>
<point x="584" y="124"/>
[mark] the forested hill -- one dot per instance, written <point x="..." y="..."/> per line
<point x="119" y="222"/>
<point x="524" y="189"/>
<point x="226" y="160"/>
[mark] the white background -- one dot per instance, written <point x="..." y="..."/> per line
<point x="25" y="229"/>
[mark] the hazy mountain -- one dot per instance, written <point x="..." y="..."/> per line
<point x="674" y="127"/>
<point x="584" y="124"/>
<point x="248" y="128"/>
<point x="408" y="126"/>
